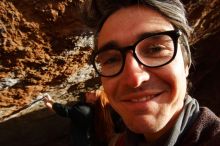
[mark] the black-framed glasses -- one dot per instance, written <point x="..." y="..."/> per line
<point x="154" y="50"/>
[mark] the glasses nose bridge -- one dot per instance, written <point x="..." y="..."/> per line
<point x="128" y="48"/>
<point x="125" y="50"/>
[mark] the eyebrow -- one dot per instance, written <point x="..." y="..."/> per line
<point x="109" y="45"/>
<point x="147" y="34"/>
<point x="114" y="44"/>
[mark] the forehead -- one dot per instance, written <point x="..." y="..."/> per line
<point x="127" y="24"/>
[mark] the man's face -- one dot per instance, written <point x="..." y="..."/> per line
<point x="148" y="99"/>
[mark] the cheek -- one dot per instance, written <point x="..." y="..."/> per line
<point x="109" y="86"/>
<point x="176" y="76"/>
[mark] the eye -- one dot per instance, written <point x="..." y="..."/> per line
<point x="158" y="51"/>
<point x="110" y="57"/>
<point x="111" y="60"/>
<point x="155" y="47"/>
<point x="155" y="50"/>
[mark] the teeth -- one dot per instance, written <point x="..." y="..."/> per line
<point x="142" y="99"/>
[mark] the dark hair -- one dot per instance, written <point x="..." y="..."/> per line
<point x="95" y="13"/>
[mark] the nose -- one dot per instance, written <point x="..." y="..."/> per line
<point x="134" y="74"/>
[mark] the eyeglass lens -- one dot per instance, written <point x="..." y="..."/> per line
<point x="152" y="52"/>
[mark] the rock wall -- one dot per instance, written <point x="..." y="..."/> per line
<point x="44" y="47"/>
<point x="204" y="18"/>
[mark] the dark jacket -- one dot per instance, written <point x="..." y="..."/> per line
<point x="204" y="131"/>
<point x="81" y="115"/>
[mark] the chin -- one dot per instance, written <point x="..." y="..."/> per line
<point x="142" y="124"/>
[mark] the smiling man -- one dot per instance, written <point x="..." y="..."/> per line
<point x="143" y="58"/>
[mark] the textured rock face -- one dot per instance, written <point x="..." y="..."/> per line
<point x="204" y="17"/>
<point x="44" y="47"/>
<point x="42" y="50"/>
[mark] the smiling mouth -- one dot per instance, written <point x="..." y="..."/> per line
<point x="143" y="99"/>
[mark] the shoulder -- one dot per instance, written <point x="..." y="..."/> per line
<point x="209" y="125"/>
<point x="205" y="130"/>
<point x="211" y="132"/>
<point x="208" y="121"/>
<point x="56" y="106"/>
